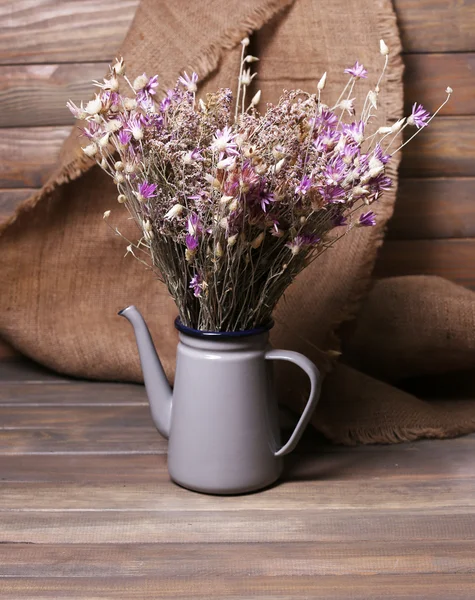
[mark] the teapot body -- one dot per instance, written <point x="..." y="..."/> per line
<point x="224" y="431"/>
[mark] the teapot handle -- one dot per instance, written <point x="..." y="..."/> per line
<point x="315" y="387"/>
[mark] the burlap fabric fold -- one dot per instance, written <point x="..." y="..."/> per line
<point x="64" y="275"/>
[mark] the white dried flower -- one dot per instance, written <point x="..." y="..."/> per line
<point x="107" y="214"/>
<point x="113" y="125"/>
<point x="213" y="181"/>
<point x="202" y="105"/>
<point x="225" y="199"/>
<point x="322" y="82"/>
<point x="140" y="82"/>
<point x="257" y="241"/>
<point x="227" y="163"/>
<point x="90" y="150"/>
<point x="111" y="84"/>
<point x="130" y="168"/>
<point x="383" y="48"/>
<point x="130" y="103"/>
<point x="359" y="191"/>
<point x="119" y="66"/>
<point x="121" y="198"/>
<point x="256" y="98"/>
<point x="174" y="212"/>
<point x="93" y="107"/>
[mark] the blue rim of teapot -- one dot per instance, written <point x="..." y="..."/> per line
<point x="221" y="334"/>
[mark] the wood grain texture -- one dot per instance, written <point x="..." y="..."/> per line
<point x="237" y="560"/>
<point x="427" y="75"/>
<point x="36" y="95"/>
<point x="433" y="208"/>
<point x="41" y="32"/>
<point x="436" y="25"/>
<point x="28" y="155"/>
<point x="452" y="259"/>
<point x="445" y="148"/>
<point x="63" y="30"/>
<point x="457" y="586"/>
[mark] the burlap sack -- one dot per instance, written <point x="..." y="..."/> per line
<point x="64" y="275"/>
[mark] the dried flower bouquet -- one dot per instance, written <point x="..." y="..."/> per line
<point x="233" y="204"/>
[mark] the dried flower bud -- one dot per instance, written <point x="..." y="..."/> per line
<point x="256" y="98"/>
<point x="384" y="130"/>
<point x="112" y="84"/>
<point x="130" y="249"/>
<point x="245" y="42"/>
<point x="359" y="191"/>
<point x="202" y="105"/>
<point x="225" y="199"/>
<point x="383" y="48"/>
<point x="246" y="77"/>
<point x="119" y="66"/>
<point x="232" y="239"/>
<point x="189" y="255"/>
<point x="279" y="165"/>
<point x="218" y="250"/>
<point x="226" y="163"/>
<point x="251" y="59"/>
<point x="322" y="82"/>
<point x="119" y="178"/>
<point x="146" y="225"/>
<point x="249" y="151"/>
<point x="213" y="181"/>
<point x="121" y="198"/>
<point x="397" y="125"/>
<point x="129" y="168"/>
<point x="90" y="150"/>
<point x="119" y="166"/>
<point x="174" y="212"/>
<point x="140" y="82"/>
<point x="107" y="214"/>
<point x="93" y="107"/>
<point x="224" y="223"/>
<point x="103" y="164"/>
<point x="130" y="103"/>
<point x="449" y="90"/>
<point x="104" y="141"/>
<point x="257" y="241"/>
<point x="372" y="97"/>
<point x="233" y="206"/>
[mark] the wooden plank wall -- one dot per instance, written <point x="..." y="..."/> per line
<point x="44" y="60"/>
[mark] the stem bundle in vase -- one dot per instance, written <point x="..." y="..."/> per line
<point x="232" y="204"/>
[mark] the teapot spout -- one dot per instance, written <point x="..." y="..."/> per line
<point x="158" y="389"/>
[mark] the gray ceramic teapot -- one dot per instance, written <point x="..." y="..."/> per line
<point x="221" y="418"/>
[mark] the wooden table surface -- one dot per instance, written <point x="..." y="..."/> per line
<point x="87" y="510"/>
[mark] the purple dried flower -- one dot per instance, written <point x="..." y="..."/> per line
<point x="378" y="152"/>
<point x="196" y="284"/>
<point x="135" y="126"/>
<point x="189" y="82"/>
<point x="326" y="140"/>
<point x="303" y="186"/>
<point x="146" y="191"/>
<point x="194" y="225"/>
<point x="419" y="116"/>
<point x="332" y="193"/>
<point x="302" y="241"/>
<point x="326" y="118"/>
<point x="357" y="71"/>
<point x="92" y="130"/>
<point x="265" y="199"/>
<point x="367" y="219"/>
<point x="355" y="131"/>
<point x="191" y="242"/>
<point x="124" y="137"/>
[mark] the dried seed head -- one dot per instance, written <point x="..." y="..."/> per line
<point x="130" y="103"/>
<point x="93" y="107"/>
<point x="121" y="198"/>
<point x="119" y="66"/>
<point x="119" y="178"/>
<point x="90" y="150"/>
<point x="140" y="82"/>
